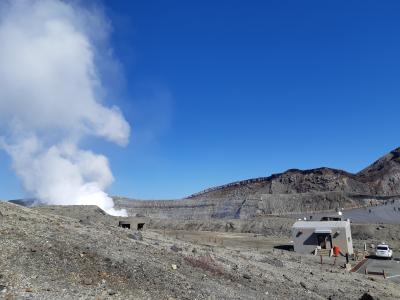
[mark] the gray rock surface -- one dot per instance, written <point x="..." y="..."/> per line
<point x="382" y="178"/>
<point x="49" y="254"/>
<point x="289" y="192"/>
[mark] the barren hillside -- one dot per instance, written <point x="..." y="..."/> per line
<point x="289" y="192"/>
<point x="53" y="253"/>
<point x="381" y="178"/>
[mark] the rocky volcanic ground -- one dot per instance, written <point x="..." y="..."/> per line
<point x="80" y="253"/>
<point x="293" y="191"/>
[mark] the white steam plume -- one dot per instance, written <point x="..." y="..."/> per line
<point x="50" y="91"/>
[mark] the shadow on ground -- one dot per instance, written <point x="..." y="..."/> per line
<point x="284" y="247"/>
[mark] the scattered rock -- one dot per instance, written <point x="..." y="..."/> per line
<point x="175" y="248"/>
<point x="272" y="261"/>
<point x="286" y="277"/>
<point x="85" y="221"/>
<point x="137" y="236"/>
<point x="111" y="292"/>
<point x="246" y="276"/>
<point x="87" y="281"/>
<point x="229" y="226"/>
<point x="303" y="285"/>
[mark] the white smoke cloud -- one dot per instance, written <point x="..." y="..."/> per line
<point x="50" y="98"/>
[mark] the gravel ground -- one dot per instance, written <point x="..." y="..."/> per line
<point x="47" y="255"/>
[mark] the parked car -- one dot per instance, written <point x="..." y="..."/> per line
<point x="383" y="251"/>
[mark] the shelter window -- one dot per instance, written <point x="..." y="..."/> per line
<point x="124" y="224"/>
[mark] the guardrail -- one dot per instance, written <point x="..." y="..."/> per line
<point x="375" y="273"/>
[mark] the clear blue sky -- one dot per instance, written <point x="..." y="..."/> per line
<point x="218" y="91"/>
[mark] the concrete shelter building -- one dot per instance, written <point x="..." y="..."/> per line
<point x="133" y="223"/>
<point x="308" y="235"/>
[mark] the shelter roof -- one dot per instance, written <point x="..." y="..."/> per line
<point x="320" y="224"/>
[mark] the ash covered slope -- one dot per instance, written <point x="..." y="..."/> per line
<point x="46" y="255"/>
<point x="50" y="256"/>
<point x="291" y="191"/>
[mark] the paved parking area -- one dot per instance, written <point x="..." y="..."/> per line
<point x="391" y="267"/>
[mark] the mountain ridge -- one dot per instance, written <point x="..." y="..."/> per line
<point x="293" y="191"/>
<point x="381" y="178"/>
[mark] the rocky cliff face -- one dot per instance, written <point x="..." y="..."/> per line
<point x="291" y="182"/>
<point x="246" y="207"/>
<point x="291" y="191"/>
<point x="381" y="178"/>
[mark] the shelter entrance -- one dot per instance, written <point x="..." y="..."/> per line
<point x="324" y="240"/>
